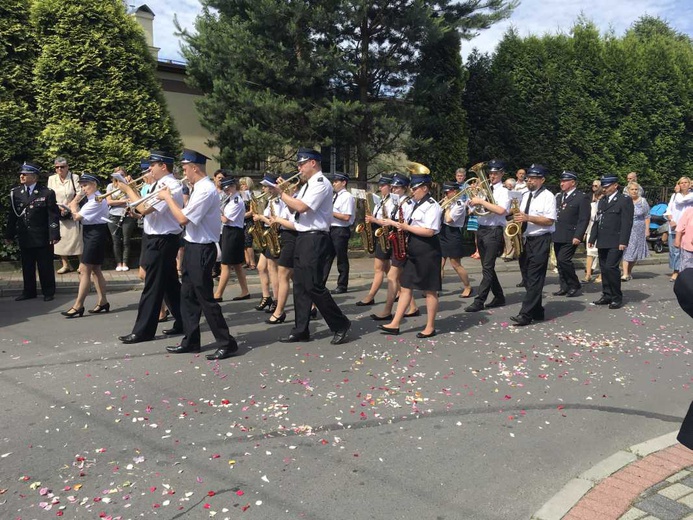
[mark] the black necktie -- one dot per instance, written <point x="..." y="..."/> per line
<point x="334" y="197"/>
<point x="526" y="211"/>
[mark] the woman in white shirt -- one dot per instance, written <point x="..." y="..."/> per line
<point x="677" y="205"/>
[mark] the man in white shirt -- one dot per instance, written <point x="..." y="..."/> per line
<point x="520" y="182"/>
<point x="343" y="215"/>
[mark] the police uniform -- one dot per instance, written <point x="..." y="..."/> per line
<point x="340" y="232"/>
<point x="33" y="220"/>
<point x="612" y="229"/>
<point x="197" y="288"/>
<point x="401" y="210"/>
<point x="311" y="254"/>
<point x="536" y="247"/>
<point x="275" y="206"/>
<point x="572" y="218"/>
<point x="232" y="235"/>
<point x="158" y="259"/>
<point x="95" y="219"/>
<point x="491" y="243"/>
<point x="382" y="210"/>
<point x="451" y="232"/>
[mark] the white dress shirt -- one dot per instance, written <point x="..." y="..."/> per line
<point x="542" y="205"/>
<point x="203" y="213"/>
<point x="458" y="214"/>
<point x="317" y="195"/>
<point x="677" y="205"/>
<point x="234" y="211"/>
<point x="501" y="196"/>
<point x="426" y="214"/>
<point x="161" y="221"/>
<point x="344" y="203"/>
<point x="94" y="212"/>
<point x="382" y="211"/>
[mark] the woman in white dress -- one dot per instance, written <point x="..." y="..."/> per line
<point x="66" y="185"/>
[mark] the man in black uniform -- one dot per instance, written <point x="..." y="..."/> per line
<point x="34" y="221"/>
<point x="573" y="216"/>
<point x="343" y="215"/>
<point x="611" y="233"/>
<point x="312" y="216"/>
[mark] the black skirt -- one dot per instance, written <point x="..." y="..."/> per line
<point x="379" y="253"/>
<point x="451" y="241"/>
<point x="232" y="245"/>
<point x="288" y="242"/>
<point x="422" y="266"/>
<point x="94" y="238"/>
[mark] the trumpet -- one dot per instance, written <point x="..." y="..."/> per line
<point x="135" y="184"/>
<point x="289" y="183"/>
<point x="153" y="194"/>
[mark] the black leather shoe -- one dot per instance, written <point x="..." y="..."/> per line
<point x="521" y="320"/>
<point x="496" y="302"/>
<point x="421" y="335"/>
<point x="365" y="304"/>
<point x="390" y="330"/>
<point x="48" y="298"/>
<point x="273" y="320"/>
<point x="340" y="335"/>
<point x="474" y="307"/>
<point x="417" y="312"/>
<point x="602" y="301"/>
<point x="521" y="284"/>
<point x="173" y="331"/>
<point x="23" y="297"/>
<point x="339" y="290"/>
<point x="295" y="338"/>
<point x="180" y="349"/>
<point x="560" y="293"/>
<point x="615" y="305"/>
<point x="375" y="317"/>
<point x="133" y="338"/>
<point x="225" y="352"/>
<point x="572" y="293"/>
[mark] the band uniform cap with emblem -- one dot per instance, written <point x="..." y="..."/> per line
<point x="385" y="179"/>
<point x="228" y="181"/>
<point x="339" y="176"/>
<point x="496" y="165"/>
<point x="608" y="180"/>
<point x="88" y="177"/>
<point x="269" y="179"/>
<point x="418" y="180"/>
<point x="159" y="156"/>
<point x="30" y="168"/>
<point x="537" y="170"/>
<point x="567" y="175"/>
<point x="399" y="179"/>
<point x="450" y="186"/>
<point x="306" y="154"/>
<point x="193" y="157"/>
<point x="144" y="165"/>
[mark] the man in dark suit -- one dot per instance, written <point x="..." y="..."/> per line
<point x="33" y="221"/>
<point x="573" y="216"/>
<point x="611" y="233"/>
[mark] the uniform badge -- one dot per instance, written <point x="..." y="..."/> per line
<point x="235" y="199"/>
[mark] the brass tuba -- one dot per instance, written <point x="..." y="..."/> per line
<point x="415" y="168"/>
<point x="513" y="230"/>
<point x="480" y="188"/>
<point x="365" y="229"/>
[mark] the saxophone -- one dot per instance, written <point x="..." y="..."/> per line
<point x="256" y="228"/>
<point x="382" y="232"/>
<point x="271" y="235"/>
<point x="365" y="229"/>
<point x="398" y="238"/>
<point x="513" y="230"/>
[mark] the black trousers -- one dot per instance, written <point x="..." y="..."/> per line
<point x="339" y="238"/>
<point x="121" y="234"/>
<point x="610" y="265"/>
<point x="197" y="296"/>
<point x="310" y="256"/>
<point x="536" y="253"/>
<point x="160" y="282"/>
<point x="41" y="258"/>
<point x="566" y="269"/>
<point x="490" y="242"/>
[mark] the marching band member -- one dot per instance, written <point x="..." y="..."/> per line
<point x="422" y="265"/>
<point x="122" y="225"/>
<point x="232" y="239"/>
<point x="245" y="186"/>
<point x="381" y="265"/>
<point x="312" y="216"/>
<point x="159" y="255"/>
<point x="401" y="209"/>
<point x="34" y="220"/>
<point x="537" y="215"/>
<point x="611" y="233"/>
<point x="490" y="238"/>
<point x="267" y="264"/>
<point x="450" y="236"/>
<point x="94" y="219"/>
<point x="201" y="219"/>
<point x="572" y="219"/>
<point x="343" y="215"/>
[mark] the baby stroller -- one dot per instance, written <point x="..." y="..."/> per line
<point x="659" y="228"/>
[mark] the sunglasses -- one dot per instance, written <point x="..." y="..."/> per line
<point x="60" y="167"/>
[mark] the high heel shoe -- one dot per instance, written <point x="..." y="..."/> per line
<point x="106" y="307"/>
<point x="265" y="302"/>
<point x="271" y="308"/>
<point x="273" y="320"/>
<point x="72" y="312"/>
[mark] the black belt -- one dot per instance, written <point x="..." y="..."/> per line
<point x="315" y="232"/>
<point x="489" y="227"/>
<point x="528" y="237"/>
<point x="166" y="235"/>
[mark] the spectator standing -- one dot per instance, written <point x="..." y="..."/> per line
<point x="637" y="245"/>
<point x="65" y="185"/>
<point x="679" y="201"/>
<point x="121" y="223"/>
<point x="684" y="238"/>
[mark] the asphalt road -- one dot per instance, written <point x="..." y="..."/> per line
<point x="484" y="421"/>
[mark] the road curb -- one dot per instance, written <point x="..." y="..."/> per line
<point x="562" y="502"/>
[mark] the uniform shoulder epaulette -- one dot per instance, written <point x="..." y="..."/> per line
<point x="320" y="178"/>
<point x="17" y="188"/>
<point x="431" y="200"/>
<point x="459" y="202"/>
<point x="235" y="199"/>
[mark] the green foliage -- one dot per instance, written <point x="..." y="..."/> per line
<point x="96" y="91"/>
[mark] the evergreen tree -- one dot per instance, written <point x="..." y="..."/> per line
<point x="96" y="88"/>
